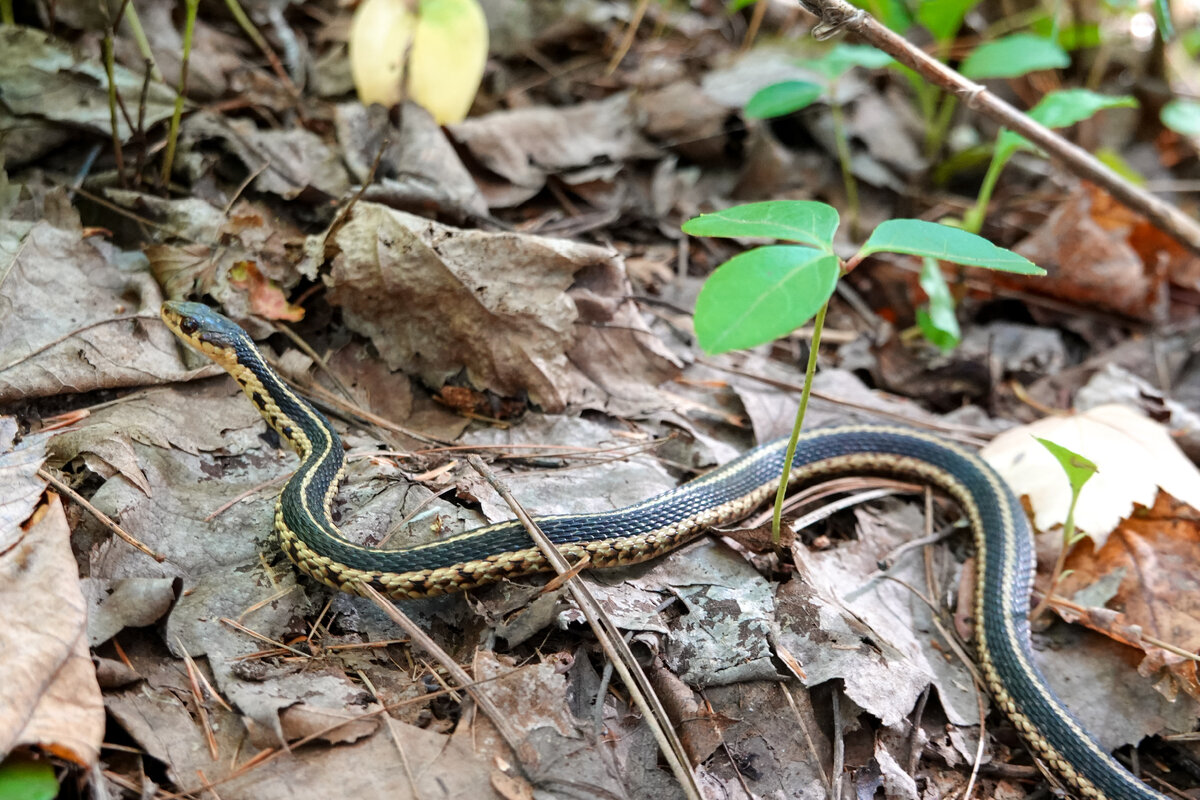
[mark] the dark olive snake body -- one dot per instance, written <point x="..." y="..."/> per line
<point x="647" y="529"/>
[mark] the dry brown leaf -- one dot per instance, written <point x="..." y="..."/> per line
<point x="61" y="292"/>
<point x="49" y="697"/>
<point x="287" y="162"/>
<point x="1134" y="455"/>
<point x="1090" y="260"/>
<point x="526" y="145"/>
<point x="1156" y="556"/>
<point x="519" y="314"/>
<point x="20" y="487"/>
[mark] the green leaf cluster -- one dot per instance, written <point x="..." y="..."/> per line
<point x="769" y="291"/>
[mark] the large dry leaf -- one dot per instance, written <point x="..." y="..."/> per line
<point x="418" y="169"/>
<point x="526" y="145"/>
<point x="1150" y="565"/>
<point x="49" y="696"/>
<point x="874" y="634"/>
<point x="1091" y="261"/>
<point x="287" y="162"/>
<point x="1135" y="456"/>
<point x="519" y="314"/>
<point x="57" y="332"/>
<point x="44" y="78"/>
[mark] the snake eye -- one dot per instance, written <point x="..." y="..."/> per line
<point x="188" y="325"/>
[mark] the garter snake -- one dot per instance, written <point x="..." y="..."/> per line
<point x="308" y="535"/>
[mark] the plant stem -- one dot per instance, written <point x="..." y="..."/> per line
<point x="843" y="151"/>
<point x="1068" y="541"/>
<point x="189" y="27"/>
<point x="143" y="43"/>
<point x="786" y="475"/>
<point x="973" y="219"/>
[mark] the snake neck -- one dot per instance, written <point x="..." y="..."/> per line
<point x="303" y="427"/>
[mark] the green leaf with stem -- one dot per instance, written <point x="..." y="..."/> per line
<point x="26" y="779"/>
<point x="920" y="238"/>
<point x="1058" y="109"/>
<point x="804" y="221"/>
<point x="1013" y="56"/>
<point x="937" y="320"/>
<point x="782" y="98"/>
<point x="762" y="294"/>
<point x="1079" y="471"/>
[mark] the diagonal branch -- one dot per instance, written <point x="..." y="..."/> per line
<point x="836" y="15"/>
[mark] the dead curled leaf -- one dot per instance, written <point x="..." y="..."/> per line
<point x="1091" y="260"/>
<point x="519" y="314"/>
<point x="1154" y="556"/>
<point x="49" y="696"/>
<point x="20" y="487"/>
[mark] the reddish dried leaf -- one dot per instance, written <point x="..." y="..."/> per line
<point x="1159" y="594"/>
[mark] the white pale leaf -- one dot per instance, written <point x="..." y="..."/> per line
<point x="1135" y="457"/>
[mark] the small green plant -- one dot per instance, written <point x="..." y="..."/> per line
<point x="767" y="292"/>
<point x="25" y="779"/>
<point x="789" y="96"/>
<point x="1079" y="471"/>
<point x="1059" y="109"/>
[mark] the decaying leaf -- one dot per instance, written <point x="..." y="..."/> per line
<point x="49" y="696"/>
<point x="69" y="289"/>
<point x="1151" y="559"/>
<point x="1134" y="454"/>
<point x="518" y="314"/>
<point x="524" y="146"/>
<point x="42" y="77"/>
<point x="1091" y="261"/>
<point x="20" y="487"/>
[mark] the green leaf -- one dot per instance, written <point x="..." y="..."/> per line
<point x="844" y="57"/>
<point x="943" y="18"/>
<point x="920" y="238"/>
<point x="1118" y="164"/>
<point x="1013" y="55"/>
<point x="1182" y="116"/>
<point x="892" y="13"/>
<point x="1079" y="469"/>
<point x="1065" y="107"/>
<point x="804" y="221"/>
<point x="938" y="323"/>
<point x="762" y="294"/>
<point x="783" y="98"/>
<point x="26" y="779"/>
<point x="738" y="5"/>
<point x="1061" y="109"/>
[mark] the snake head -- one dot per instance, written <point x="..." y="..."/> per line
<point x="204" y="329"/>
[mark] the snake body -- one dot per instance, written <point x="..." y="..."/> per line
<point x="308" y="535"/>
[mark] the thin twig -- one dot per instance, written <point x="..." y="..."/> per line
<point x="610" y="639"/>
<point x="422" y="640"/>
<point x="103" y="518"/>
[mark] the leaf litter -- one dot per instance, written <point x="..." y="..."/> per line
<point x="224" y="668"/>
